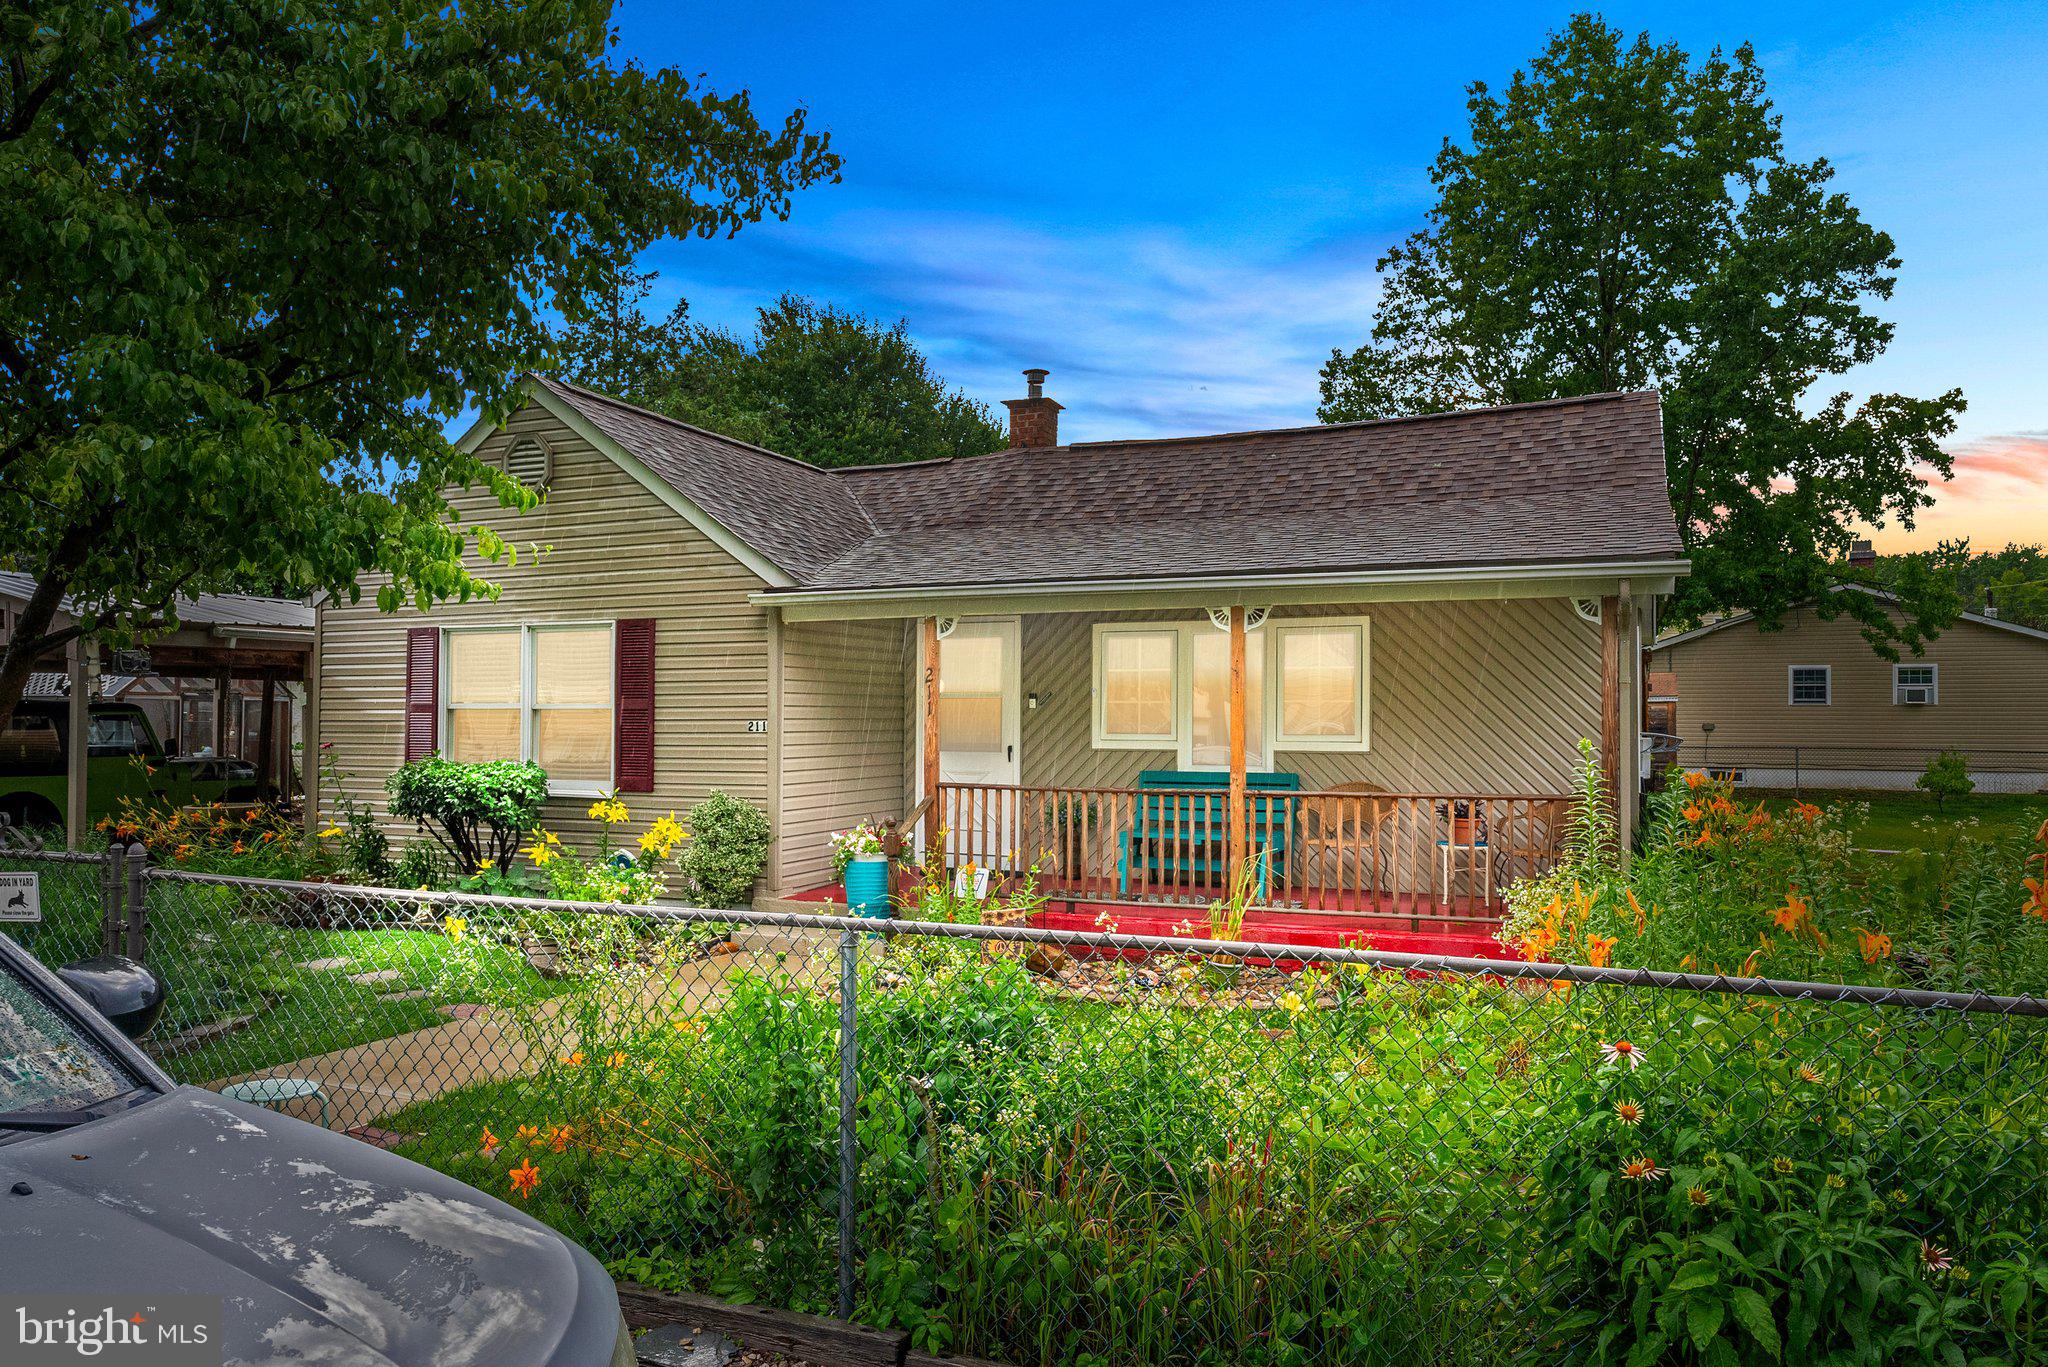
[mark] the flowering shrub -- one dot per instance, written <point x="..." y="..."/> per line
<point x="608" y="875"/>
<point x="254" y="841"/>
<point x="1369" y="1167"/>
<point x="1724" y="885"/>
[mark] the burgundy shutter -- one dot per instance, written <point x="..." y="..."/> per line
<point x="422" y="691"/>
<point x="633" y="706"/>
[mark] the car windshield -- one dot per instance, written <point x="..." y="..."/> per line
<point x="47" y="1064"/>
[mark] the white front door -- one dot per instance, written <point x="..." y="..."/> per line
<point x="978" y="745"/>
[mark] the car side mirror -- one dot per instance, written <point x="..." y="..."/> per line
<point x="130" y="995"/>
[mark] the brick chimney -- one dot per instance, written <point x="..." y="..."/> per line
<point x="1862" y="553"/>
<point x="1034" y="419"/>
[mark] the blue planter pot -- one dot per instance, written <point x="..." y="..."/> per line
<point x="867" y="888"/>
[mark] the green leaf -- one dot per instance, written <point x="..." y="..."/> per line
<point x="1703" y="1321"/>
<point x="1753" y="1313"/>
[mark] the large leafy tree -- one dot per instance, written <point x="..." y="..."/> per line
<point x="257" y="252"/>
<point x="2012" y="581"/>
<point x="827" y="386"/>
<point x="616" y="348"/>
<point x="1623" y="217"/>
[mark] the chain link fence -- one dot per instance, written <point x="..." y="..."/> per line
<point x="1855" y="768"/>
<point x="1047" y="1147"/>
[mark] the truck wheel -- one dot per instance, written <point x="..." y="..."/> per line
<point x="29" y="811"/>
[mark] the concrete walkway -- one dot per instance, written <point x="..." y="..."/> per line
<point x="366" y="1082"/>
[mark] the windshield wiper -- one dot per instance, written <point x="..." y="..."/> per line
<point x="50" y="1121"/>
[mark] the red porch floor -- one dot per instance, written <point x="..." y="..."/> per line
<point x="1409" y="923"/>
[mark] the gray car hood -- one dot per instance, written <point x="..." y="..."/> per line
<point x="325" y="1250"/>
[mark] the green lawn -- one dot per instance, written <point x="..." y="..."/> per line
<point x="304" y="990"/>
<point x="1900" y="821"/>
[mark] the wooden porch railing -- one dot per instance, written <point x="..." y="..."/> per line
<point x="1400" y="854"/>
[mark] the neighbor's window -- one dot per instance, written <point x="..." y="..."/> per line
<point x="1137" y="687"/>
<point x="1322" y="669"/>
<point x="542" y="693"/>
<point x="1810" y="686"/>
<point x="1916" y="684"/>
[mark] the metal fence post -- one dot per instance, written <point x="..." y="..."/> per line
<point x="138" y="902"/>
<point x="849" y="1155"/>
<point x="1798" y="787"/>
<point x="113" y="896"/>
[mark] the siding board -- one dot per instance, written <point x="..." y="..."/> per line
<point x="601" y="547"/>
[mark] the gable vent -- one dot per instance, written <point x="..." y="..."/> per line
<point x="530" y="462"/>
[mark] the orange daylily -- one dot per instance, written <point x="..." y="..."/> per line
<point x="525" y="1179"/>
<point x="1794" y="915"/>
<point x="488" y="1143"/>
<point x="526" y="1134"/>
<point x="1692" y="812"/>
<point x="616" y="1059"/>
<point x="1694" y="779"/>
<point x="558" y="1139"/>
<point x="1874" y="944"/>
<point x="1642" y="921"/>
<point x="1600" y="950"/>
<point x="1806" y="811"/>
<point x="2037" y="903"/>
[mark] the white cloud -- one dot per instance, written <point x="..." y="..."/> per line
<point x="1146" y="332"/>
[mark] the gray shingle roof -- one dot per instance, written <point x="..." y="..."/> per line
<point x="200" y="610"/>
<point x="1567" y="480"/>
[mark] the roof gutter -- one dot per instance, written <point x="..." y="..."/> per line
<point x="1589" y="579"/>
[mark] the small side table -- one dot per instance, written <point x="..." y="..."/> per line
<point x="1478" y="860"/>
<point x="276" y="1091"/>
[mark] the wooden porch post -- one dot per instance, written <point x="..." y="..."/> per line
<point x="1610" y="699"/>
<point x="266" y="726"/>
<point x="223" y="687"/>
<point x="929" y="629"/>
<point x="1237" y="785"/>
<point x="76" y="752"/>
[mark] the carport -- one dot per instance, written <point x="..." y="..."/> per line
<point x="222" y="637"/>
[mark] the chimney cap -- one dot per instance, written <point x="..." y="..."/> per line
<point x="1035" y="377"/>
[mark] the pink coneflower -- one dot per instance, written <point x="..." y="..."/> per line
<point x="1934" y="1257"/>
<point x="1641" y="1170"/>
<point x="1622" y="1049"/>
<point x="1628" y="1112"/>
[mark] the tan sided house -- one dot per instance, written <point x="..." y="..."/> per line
<point x="1810" y="704"/>
<point x="1361" y="655"/>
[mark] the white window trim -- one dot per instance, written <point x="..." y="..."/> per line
<point x="1357" y="743"/>
<point x="527" y="692"/>
<point x="1099" y="696"/>
<point x="1933" y="682"/>
<point x="1181" y="739"/>
<point x="1827" y="672"/>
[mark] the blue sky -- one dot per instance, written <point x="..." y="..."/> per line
<point x="1176" y="208"/>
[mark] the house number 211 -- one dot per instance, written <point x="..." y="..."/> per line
<point x="757" y="728"/>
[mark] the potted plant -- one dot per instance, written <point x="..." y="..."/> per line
<point x="863" y="869"/>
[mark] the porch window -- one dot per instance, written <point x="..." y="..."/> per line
<point x="540" y="693"/>
<point x="1322" y="685"/>
<point x="1137" y="687"/>
<point x="1209" y="707"/>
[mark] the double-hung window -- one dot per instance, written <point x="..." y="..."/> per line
<point x="1166" y="686"/>
<point x="1916" y="685"/>
<point x="1809" y="685"/>
<point x="541" y="693"/>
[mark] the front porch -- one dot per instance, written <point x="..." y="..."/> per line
<point x="1382" y="767"/>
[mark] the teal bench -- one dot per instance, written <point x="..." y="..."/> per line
<point x="1180" y="829"/>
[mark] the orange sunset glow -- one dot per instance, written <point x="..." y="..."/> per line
<point x="1999" y="493"/>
